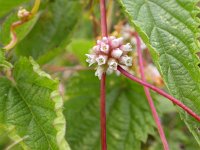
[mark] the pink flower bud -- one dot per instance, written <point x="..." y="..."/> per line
<point x="96" y="48"/>
<point x="116" y="53"/>
<point x="105" y="40"/>
<point x="99" y="42"/>
<point x="121" y="40"/>
<point x="115" y="43"/>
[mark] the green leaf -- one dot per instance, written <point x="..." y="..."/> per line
<point x="53" y="29"/>
<point x="176" y="133"/>
<point x="3" y="62"/>
<point x="169" y="28"/>
<point x="6" y="6"/>
<point x="129" y="120"/>
<point x="80" y="47"/>
<point x="31" y="108"/>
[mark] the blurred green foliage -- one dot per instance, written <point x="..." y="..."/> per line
<point x="58" y="38"/>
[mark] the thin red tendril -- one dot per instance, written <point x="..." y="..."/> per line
<point x="148" y="95"/>
<point x="159" y="91"/>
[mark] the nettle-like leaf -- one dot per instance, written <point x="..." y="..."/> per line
<point x="3" y="62"/>
<point x="129" y="120"/>
<point x="52" y="32"/>
<point x="169" y="29"/>
<point x="31" y="108"/>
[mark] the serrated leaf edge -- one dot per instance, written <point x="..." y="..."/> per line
<point x="59" y="122"/>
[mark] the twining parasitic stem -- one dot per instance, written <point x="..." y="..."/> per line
<point x="20" y="22"/>
<point x="159" y="91"/>
<point x="148" y="95"/>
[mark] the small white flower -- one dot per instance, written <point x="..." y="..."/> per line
<point x="96" y="48"/>
<point x="127" y="47"/>
<point x="116" y="53"/>
<point x="99" y="72"/>
<point x="104" y="48"/>
<point x="22" y="13"/>
<point x="115" y="43"/>
<point x="112" y="64"/>
<point x="126" y="60"/>
<point x="101" y="59"/>
<point x="90" y="59"/>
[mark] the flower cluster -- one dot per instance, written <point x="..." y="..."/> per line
<point x="108" y="53"/>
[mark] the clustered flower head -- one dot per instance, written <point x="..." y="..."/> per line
<point x="108" y="53"/>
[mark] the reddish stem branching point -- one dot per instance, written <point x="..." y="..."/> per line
<point x="148" y="95"/>
<point x="159" y="91"/>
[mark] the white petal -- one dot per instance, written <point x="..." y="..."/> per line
<point x="104" y="48"/>
<point x="96" y="48"/>
<point x="127" y="47"/>
<point x="101" y="59"/>
<point x="99" y="72"/>
<point x="90" y="59"/>
<point x="126" y="60"/>
<point x="112" y="64"/>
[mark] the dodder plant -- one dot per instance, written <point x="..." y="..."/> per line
<point x="31" y="105"/>
<point x="110" y="54"/>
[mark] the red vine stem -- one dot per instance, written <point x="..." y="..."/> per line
<point x="159" y="91"/>
<point x="103" y="79"/>
<point x="148" y="95"/>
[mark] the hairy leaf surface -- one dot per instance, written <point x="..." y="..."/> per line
<point x="169" y="29"/>
<point x="129" y="120"/>
<point x="30" y="107"/>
